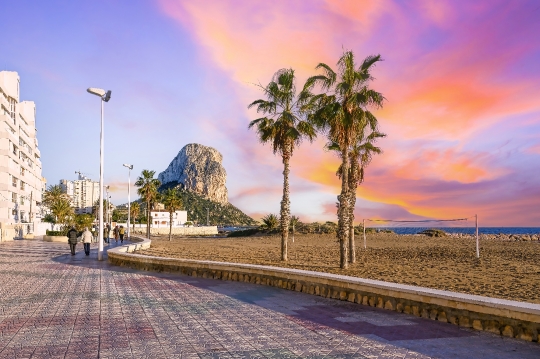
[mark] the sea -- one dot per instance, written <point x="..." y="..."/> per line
<point x="467" y="230"/>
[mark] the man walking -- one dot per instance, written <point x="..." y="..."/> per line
<point x="72" y="239"/>
<point x="87" y="239"/>
<point x="121" y="231"/>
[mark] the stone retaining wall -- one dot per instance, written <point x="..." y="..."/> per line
<point x="182" y="231"/>
<point x="504" y="317"/>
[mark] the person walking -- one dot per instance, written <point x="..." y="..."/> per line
<point x="72" y="239"/>
<point x="87" y="239"/>
<point x="115" y="232"/>
<point x="107" y="232"/>
<point x="121" y="231"/>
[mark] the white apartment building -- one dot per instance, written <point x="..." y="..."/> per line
<point x="83" y="193"/>
<point x="160" y="218"/>
<point x="21" y="183"/>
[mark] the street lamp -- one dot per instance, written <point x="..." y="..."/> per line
<point x="105" y="96"/>
<point x="129" y="167"/>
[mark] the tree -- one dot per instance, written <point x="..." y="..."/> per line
<point x="284" y="127"/>
<point x="59" y="203"/>
<point x="83" y="221"/>
<point x="148" y="190"/>
<point x="172" y="202"/>
<point x="294" y="221"/>
<point x="135" y="210"/>
<point x="270" y="222"/>
<point x="362" y="153"/>
<point x="341" y="112"/>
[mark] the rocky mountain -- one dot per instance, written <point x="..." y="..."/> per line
<point x="199" y="170"/>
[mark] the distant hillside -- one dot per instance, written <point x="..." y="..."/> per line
<point x="219" y="213"/>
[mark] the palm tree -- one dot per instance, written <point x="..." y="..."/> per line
<point x="294" y="221"/>
<point x="284" y="127"/>
<point x="135" y="210"/>
<point x="361" y="155"/>
<point x="270" y="221"/>
<point x="172" y="202"/>
<point x="341" y="112"/>
<point x="148" y="190"/>
<point x="53" y="194"/>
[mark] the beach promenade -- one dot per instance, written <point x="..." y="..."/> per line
<point x="54" y="305"/>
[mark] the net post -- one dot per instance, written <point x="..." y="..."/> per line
<point x="364" y="228"/>
<point x="477" y="245"/>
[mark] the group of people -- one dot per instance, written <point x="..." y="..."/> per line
<point x="118" y="233"/>
<point x="87" y="237"/>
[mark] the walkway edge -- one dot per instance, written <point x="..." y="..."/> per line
<point x="505" y="317"/>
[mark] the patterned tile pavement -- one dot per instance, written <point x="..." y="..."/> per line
<point x="54" y="305"/>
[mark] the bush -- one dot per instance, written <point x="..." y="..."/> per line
<point x="433" y="232"/>
<point x="244" y="233"/>
<point x="55" y="233"/>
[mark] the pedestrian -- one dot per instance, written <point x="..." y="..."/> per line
<point x="121" y="231"/>
<point x="72" y="239"/>
<point x="107" y="232"/>
<point x="87" y="239"/>
<point x="115" y="232"/>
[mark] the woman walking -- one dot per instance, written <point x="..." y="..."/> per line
<point x="121" y="231"/>
<point x="87" y="239"/>
<point x="116" y="232"/>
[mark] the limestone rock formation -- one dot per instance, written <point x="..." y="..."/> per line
<point x="198" y="168"/>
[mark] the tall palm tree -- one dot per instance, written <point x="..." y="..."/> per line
<point x="284" y="127"/>
<point x="135" y="209"/>
<point x="172" y="201"/>
<point x="362" y="153"/>
<point x="340" y="111"/>
<point x="148" y="190"/>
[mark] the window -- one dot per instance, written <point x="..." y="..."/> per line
<point x="22" y="185"/>
<point x="14" y="197"/>
<point x="22" y="199"/>
<point x="15" y="150"/>
<point x="14" y="212"/>
<point x="14" y="181"/>
<point x="22" y="170"/>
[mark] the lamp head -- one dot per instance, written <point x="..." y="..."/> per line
<point x="96" y="91"/>
<point x="128" y="166"/>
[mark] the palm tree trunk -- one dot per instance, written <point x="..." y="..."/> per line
<point x="343" y="210"/>
<point x="148" y="220"/>
<point x="170" y="225"/>
<point x="293" y="233"/>
<point x="352" y="203"/>
<point x="285" y="205"/>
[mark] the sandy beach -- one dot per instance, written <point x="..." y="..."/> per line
<point x="507" y="269"/>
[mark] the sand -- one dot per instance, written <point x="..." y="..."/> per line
<point x="509" y="270"/>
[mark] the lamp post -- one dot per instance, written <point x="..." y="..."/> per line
<point x="129" y="167"/>
<point x="107" y="199"/>
<point x="105" y="96"/>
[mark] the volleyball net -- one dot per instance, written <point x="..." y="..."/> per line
<point x="414" y="226"/>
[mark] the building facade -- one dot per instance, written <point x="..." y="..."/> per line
<point x="160" y="218"/>
<point x="83" y="193"/>
<point x="21" y="182"/>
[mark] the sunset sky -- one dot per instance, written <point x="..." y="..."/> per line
<point x="461" y="81"/>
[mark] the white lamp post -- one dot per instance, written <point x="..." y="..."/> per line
<point x="105" y="97"/>
<point x="129" y="167"/>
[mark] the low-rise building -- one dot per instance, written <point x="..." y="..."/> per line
<point x="160" y="218"/>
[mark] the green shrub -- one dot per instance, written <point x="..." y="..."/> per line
<point x="244" y="233"/>
<point x="433" y="232"/>
<point x="55" y="233"/>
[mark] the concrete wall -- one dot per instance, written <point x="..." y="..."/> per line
<point x="499" y="316"/>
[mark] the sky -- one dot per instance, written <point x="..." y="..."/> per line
<point x="461" y="81"/>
